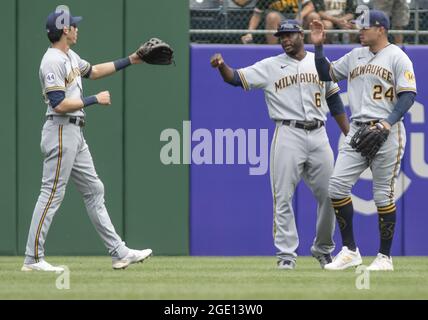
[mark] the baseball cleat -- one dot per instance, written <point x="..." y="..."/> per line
<point x="133" y="256"/>
<point x="345" y="259"/>
<point x="323" y="259"/>
<point x="381" y="263"/>
<point x="286" y="265"/>
<point x="41" y="266"/>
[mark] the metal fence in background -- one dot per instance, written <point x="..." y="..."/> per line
<point x="223" y="21"/>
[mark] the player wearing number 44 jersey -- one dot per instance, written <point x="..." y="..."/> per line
<point x="66" y="154"/>
<point x="297" y="101"/>
<point x="381" y="89"/>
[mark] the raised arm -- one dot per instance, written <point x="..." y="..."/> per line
<point x="321" y="62"/>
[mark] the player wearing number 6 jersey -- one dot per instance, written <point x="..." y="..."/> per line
<point x="297" y="101"/>
<point x="381" y="88"/>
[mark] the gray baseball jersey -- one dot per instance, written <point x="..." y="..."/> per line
<point x="66" y="155"/>
<point x="293" y="91"/>
<point x="61" y="71"/>
<point x="374" y="80"/>
<point x="292" y="88"/>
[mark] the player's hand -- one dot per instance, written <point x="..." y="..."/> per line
<point x="317" y="32"/>
<point x="217" y="60"/>
<point x="247" y="38"/>
<point x="135" y="59"/>
<point x="104" y="98"/>
<point x="386" y="125"/>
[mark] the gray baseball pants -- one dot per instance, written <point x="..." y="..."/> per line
<point x="385" y="167"/>
<point x="66" y="155"/>
<point x="297" y="153"/>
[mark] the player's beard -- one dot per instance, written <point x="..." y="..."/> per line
<point x="293" y="49"/>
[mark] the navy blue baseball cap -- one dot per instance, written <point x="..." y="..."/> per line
<point x="59" y="19"/>
<point x="288" y="26"/>
<point x="377" y="18"/>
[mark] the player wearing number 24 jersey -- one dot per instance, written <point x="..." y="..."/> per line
<point x="381" y="89"/>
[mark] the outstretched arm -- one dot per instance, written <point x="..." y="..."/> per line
<point x="102" y="70"/>
<point x="228" y="74"/>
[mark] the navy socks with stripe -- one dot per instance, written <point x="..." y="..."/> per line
<point x="387" y="217"/>
<point x="344" y="215"/>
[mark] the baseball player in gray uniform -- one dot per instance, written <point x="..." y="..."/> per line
<point x="63" y="145"/>
<point x="381" y="89"/>
<point x="297" y="101"/>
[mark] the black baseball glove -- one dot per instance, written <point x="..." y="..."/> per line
<point x="369" y="139"/>
<point x="156" y="51"/>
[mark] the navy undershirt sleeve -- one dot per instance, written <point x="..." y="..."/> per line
<point x="88" y="74"/>
<point x="122" y="63"/>
<point x="335" y="104"/>
<point x="56" y="97"/>
<point x="322" y="64"/>
<point x="236" y="81"/>
<point x="404" y="102"/>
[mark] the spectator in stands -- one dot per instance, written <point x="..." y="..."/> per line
<point x="334" y="14"/>
<point x="398" y="11"/>
<point x="242" y="3"/>
<point x="275" y="11"/>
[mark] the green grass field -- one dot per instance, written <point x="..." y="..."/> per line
<point x="211" y="278"/>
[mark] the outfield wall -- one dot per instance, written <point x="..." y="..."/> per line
<point x="123" y="138"/>
<point x="231" y="210"/>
